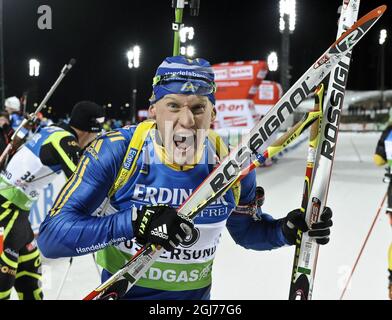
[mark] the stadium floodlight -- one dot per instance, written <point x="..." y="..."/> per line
<point x="134" y="63"/>
<point x="130" y="59"/>
<point x="133" y="56"/>
<point x="187" y="33"/>
<point x="191" y="33"/>
<point x="287" y="7"/>
<point x="272" y="61"/>
<point x="383" y="36"/>
<point x="190" y="51"/>
<point x="34" y="67"/>
<point x="136" y="53"/>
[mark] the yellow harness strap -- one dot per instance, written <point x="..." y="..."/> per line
<point x="129" y="163"/>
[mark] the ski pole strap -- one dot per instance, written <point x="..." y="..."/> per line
<point x="250" y="209"/>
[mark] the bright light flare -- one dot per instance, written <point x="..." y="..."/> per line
<point x="134" y="57"/>
<point x="188" y="51"/>
<point x="383" y="36"/>
<point x="272" y="61"/>
<point x="34" y="68"/>
<point x="187" y="33"/>
<point x="136" y="53"/>
<point x="287" y="7"/>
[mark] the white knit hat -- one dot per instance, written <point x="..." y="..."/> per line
<point x="12" y="103"/>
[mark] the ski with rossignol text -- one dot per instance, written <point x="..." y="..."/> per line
<point x="301" y="284"/>
<point x="238" y="162"/>
<point x="306" y="253"/>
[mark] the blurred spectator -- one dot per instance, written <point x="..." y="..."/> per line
<point x="107" y="125"/>
<point x="5" y="130"/>
<point x="117" y="124"/>
<point x="12" y="106"/>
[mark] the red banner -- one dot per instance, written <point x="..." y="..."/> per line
<point x="239" y="80"/>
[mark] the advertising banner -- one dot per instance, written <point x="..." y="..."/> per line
<point x="268" y="94"/>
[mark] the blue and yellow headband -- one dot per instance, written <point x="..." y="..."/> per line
<point x="179" y="75"/>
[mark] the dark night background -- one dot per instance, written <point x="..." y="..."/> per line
<point x="98" y="33"/>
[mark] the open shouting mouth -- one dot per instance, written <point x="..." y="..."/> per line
<point x="184" y="141"/>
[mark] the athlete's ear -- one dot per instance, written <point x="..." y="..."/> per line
<point x="152" y="112"/>
<point x="213" y="114"/>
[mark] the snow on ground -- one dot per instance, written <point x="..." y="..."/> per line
<point x="356" y="192"/>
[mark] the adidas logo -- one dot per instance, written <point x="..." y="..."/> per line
<point x="160" y="232"/>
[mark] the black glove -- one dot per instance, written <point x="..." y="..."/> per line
<point x="161" y="225"/>
<point x="260" y="196"/>
<point x="320" y="230"/>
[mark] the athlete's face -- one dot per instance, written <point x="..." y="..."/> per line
<point x="183" y="122"/>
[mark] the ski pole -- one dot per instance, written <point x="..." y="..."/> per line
<point x="19" y="135"/>
<point x="364" y="244"/>
<point x="356" y="150"/>
<point x="65" y="278"/>
<point x="96" y="265"/>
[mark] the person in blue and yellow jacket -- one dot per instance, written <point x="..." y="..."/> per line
<point x="383" y="156"/>
<point x="37" y="163"/>
<point x="129" y="182"/>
